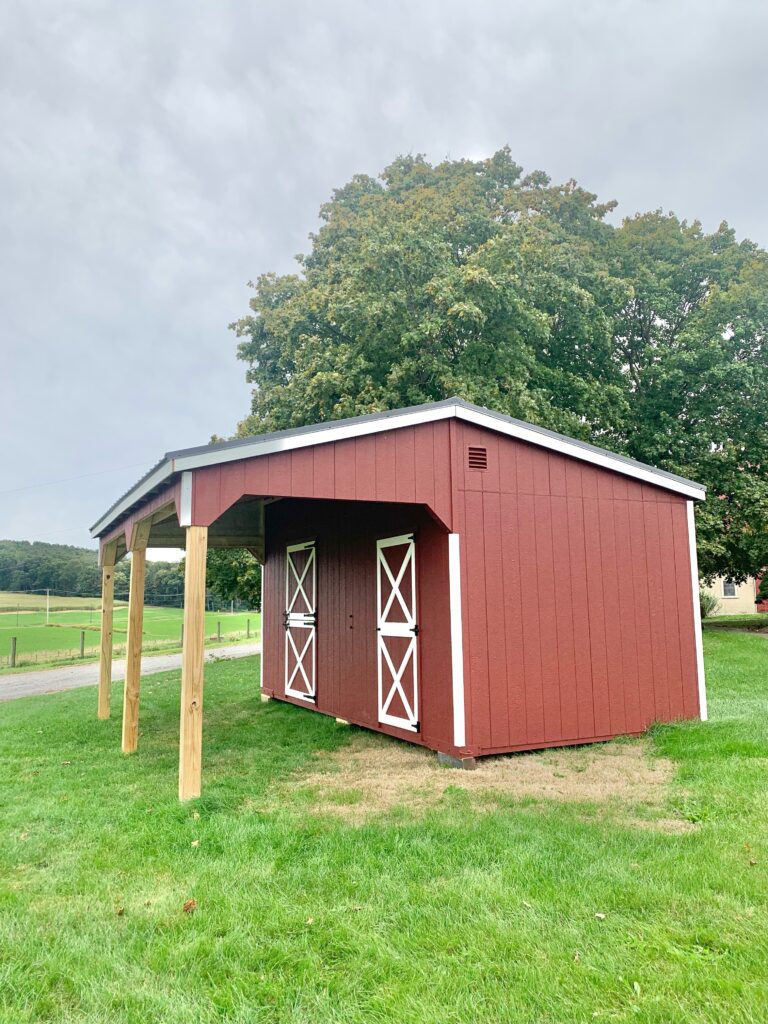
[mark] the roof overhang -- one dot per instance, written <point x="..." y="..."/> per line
<point x="189" y="459"/>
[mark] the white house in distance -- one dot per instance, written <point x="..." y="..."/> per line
<point x="734" y="598"/>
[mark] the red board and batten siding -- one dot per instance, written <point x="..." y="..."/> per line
<point x="578" y="613"/>
<point x="412" y="464"/>
<point x="345" y="534"/>
<point x="576" y="582"/>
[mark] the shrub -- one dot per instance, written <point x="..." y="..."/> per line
<point x="708" y="603"/>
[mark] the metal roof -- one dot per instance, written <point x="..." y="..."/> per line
<point x="175" y="462"/>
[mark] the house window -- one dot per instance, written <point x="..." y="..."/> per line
<point x="729" y="588"/>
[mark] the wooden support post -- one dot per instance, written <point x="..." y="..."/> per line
<point x="191" y="724"/>
<point x="133" y="648"/>
<point x="13" y="652"/>
<point x="82" y="643"/>
<point x="107" y="609"/>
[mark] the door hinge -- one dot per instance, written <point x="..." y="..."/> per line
<point x="415" y="630"/>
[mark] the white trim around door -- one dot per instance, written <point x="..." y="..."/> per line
<point x="398" y="681"/>
<point x="300" y="621"/>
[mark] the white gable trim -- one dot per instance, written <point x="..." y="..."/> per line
<point x="328" y="434"/>
<point x="605" y="460"/>
<point x="312" y="437"/>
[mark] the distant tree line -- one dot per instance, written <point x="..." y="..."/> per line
<point x="232" y="576"/>
<point x="64" y="569"/>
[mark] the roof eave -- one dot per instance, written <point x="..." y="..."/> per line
<point x="162" y="474"/>
<point x="198" y="458"/>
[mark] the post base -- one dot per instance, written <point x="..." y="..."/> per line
<point x="449" y="761"/>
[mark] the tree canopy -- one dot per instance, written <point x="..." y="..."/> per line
<point x="470" y="278"/>
<point x="233" y="574"/>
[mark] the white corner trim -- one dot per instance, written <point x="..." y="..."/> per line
<point x="457" y="640"/>
<point x="697" y="612"/>
<point x="263" y="635"/>
<point x="185" y="500"/>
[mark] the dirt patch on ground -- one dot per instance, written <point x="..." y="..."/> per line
<point x="373" y="774"/>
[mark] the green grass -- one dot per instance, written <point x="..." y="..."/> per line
<point x="459" y="915"/>
<point x="37" y="642"/>
<point x="25" y="601"/>
<point x="758" y="620"/>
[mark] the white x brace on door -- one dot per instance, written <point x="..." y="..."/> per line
<point x="397" y="632"/>
<point x="300" y="620"/>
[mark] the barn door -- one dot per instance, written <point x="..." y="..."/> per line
<point x="397" y="632"/>
<point x="300" y="620"/>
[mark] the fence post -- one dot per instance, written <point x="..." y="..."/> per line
<point x="218" y="629"/>
<point x="13" y="652"/>
<point x="182" y="634"/>
<point x="82" y="643"/>
<point x="248" y="629"/>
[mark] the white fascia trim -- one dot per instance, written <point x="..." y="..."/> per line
<point x="408" y="419"/>
<point x="185" y="500"/>
<point x="328" y="434"/>
<point x="697" y="612"/>
<point x="162" y="473"/>
<point x="604" y="460"/>
<point x="324" y="436"/>
<point x="457" y="640"/>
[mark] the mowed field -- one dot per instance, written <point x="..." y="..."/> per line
<point x="333" y="876"/>
<point x="37" y="641"/>
<point x="14" y="600"/>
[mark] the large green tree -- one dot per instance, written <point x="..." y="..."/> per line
<point x="469" y="278"/>
<point x="233" y="574"/>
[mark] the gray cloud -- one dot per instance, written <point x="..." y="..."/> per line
<point x="157" y="156"/>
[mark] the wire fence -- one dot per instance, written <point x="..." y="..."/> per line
<point x="24" y="601"/>
<point x="33" y="631"/>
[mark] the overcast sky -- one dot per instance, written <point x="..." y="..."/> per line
<point x="154" y="157"/>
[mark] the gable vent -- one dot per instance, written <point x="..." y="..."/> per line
<point x="477" y="458"/>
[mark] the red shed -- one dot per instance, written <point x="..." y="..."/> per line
<point x="444" y="574"/>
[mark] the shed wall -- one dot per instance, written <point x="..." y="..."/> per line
<point x="346" y="535"/>
<point x="411" y="464"/>
<point x="578" y="613"/>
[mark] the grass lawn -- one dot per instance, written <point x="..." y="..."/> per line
<point x="25" y="601"/>
<point x="757" y="620"/>
<point x="466" y="910"/>
<point x="37" y="642"/>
